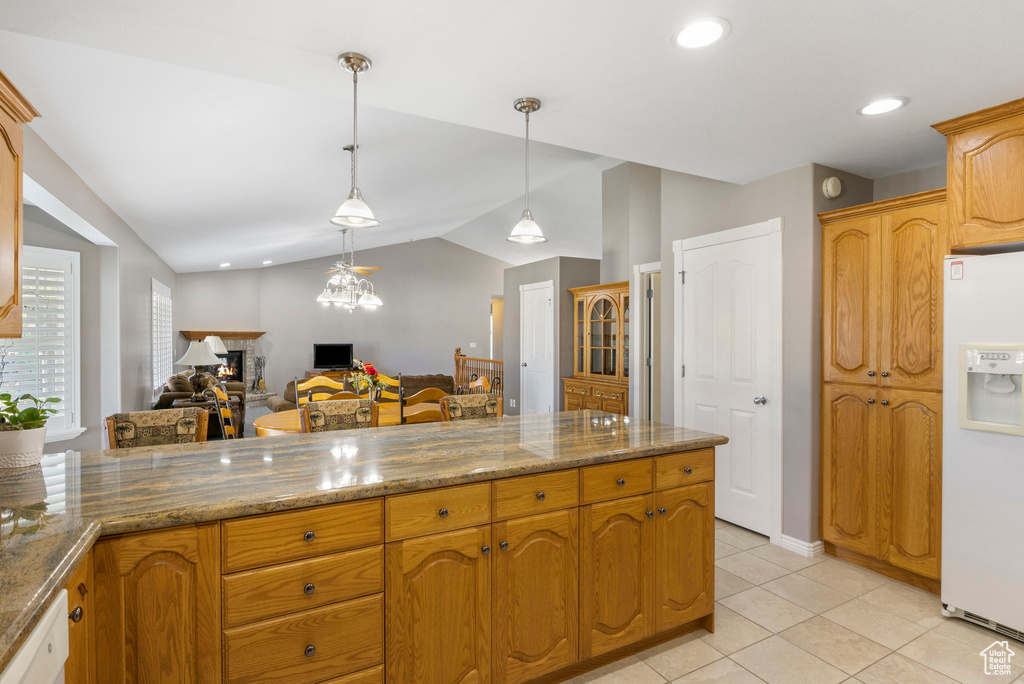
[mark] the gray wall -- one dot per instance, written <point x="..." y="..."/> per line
<point x="631" y="219"/>
<point x="566" y="272"/>
<point x="437" y="296"/>
<point x="42" y="230"/>
<point x="908" y="183"/>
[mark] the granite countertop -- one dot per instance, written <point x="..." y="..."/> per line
<point x="53" y="513"/>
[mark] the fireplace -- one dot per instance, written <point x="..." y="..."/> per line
<point x="233" y="369"/>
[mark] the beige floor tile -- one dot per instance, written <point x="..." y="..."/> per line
<point x="720" y="523"/>
<point x="733" y="631"/>
<point x="897" y="669"/>
<point x="727" y="584"/>
<point x="887" y="629"/>
<point x="777" y="661"/>
<point x="975" y="636"/>
<point x="807" y="593"/>
<point x="751" y="568"/>
<point x="681" y="656"/>
<point x="908" y="602"/>
<point x="722" y="550"/>
<point x="630" y="670"/>
<point x="768" y="610"/>
<point x="722" y="671"/>
<point x="740" y="538"/>
<point x="786" y="558"/>
<point x="954" y="659"/>
<point x="836" y="645"/>
<point x="845" y="577"/>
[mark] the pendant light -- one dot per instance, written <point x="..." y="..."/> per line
<point x="527" y="232"/>
<point x="354" y="213"/>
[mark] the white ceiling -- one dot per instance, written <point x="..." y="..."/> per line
<point x="188" y="115"/>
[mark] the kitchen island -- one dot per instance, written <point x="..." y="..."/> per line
<point x="528" y="548"/>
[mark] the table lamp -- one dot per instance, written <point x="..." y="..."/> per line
<point x="216" y="344"/>
<point x="198" y="354"/>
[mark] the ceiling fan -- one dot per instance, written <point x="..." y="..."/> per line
<point x="345" y="265"/>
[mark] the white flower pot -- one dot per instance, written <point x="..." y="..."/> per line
<point x="20" y="448"/>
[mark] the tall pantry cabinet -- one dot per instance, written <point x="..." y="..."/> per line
<point x="881" y="384"/>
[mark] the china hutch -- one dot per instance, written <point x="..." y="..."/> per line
<point x="600" y="378"/>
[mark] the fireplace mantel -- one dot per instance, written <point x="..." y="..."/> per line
<point x="222" y="334"/>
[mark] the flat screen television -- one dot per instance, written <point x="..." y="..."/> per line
<point x="332" y="356"/>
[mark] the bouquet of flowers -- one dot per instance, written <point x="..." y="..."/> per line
<point x="365" y="377"/>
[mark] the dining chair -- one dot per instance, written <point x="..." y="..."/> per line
<point x="304" y="389"/>
<point x="345" y="414"/>
<point x="222" y="408"/>
<point x="470" y="406"/>
<point x="431" y="395"/>
<point x="157" y="428"/>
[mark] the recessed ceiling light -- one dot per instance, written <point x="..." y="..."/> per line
<point x="225" y="265"/>
<point x="882" y="106"/>
<point x="701" y="32"/>
<point x="267" y="261"/>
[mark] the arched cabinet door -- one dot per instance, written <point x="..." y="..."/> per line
<point x="684" y="555"/>
<point x="604" y="330"/>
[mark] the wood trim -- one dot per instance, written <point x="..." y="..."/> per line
<point x="979" y="118"/>
<point x="603" y="288"/>
<point x="884" y="206"/>
<point x="193" y="335"/>
<point x="721" y="237"/>
<point x="14" y="103"/>
<point x="883" y="568"/>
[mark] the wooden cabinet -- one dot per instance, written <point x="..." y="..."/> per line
<point x="600" y="378"/>
<point x="438" y="590"/>
<point x="78" y="669"/>
<point x="985" y="175"/>
<point x="684" y="555"/>
<point x="14" y="112"/>
<point x="157" y="606"/>
<point x="536" y="602"/>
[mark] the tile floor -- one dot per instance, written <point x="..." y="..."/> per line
<point x="785" y="619"/>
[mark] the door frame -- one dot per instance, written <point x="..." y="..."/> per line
<point x="541" y="285"/>
<point x="636" y="325"/>
<point x="773" y="228"/>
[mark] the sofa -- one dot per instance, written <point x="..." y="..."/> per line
<point x="177" y="387"/>
<point x="411" y="384"/>
<point x="286" y="401"/>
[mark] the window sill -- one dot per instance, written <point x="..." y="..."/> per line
<point x="63" y="435"/>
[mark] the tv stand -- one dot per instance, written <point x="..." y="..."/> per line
<point x="338" y="375"/>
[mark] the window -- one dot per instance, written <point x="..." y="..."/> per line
<point x="45" y="361"/>
<point x="163" y="339"/>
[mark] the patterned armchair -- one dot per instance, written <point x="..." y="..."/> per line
<point x="346" y="414"/>
<point x="470" y="406"/>
<point x="157" y="428"/>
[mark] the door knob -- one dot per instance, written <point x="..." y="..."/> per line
<point x="650" y="514"/>
<point x="485" y="550"/>
<point x="885" y="374"/>
<point x="871" y="401"/>
<point x="761" y="400"/>
<point x="503" y="546"/>
<point x="663" y="511"/>
<point x="885" y="402"/>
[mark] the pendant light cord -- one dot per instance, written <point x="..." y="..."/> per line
<point x="527" y="160"/>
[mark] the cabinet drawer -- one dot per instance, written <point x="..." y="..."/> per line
<point x="572" y="388"/>
<point x="282" y="589"/>
<point x="616" y="480"/>
<point x="675" y="470"/>
<point x="520" y="496"/>
<point x="612" y="406"/>
<point x="345" y="638"/>
<point x="375" y="675"/>
<point x="438" y="510"/>
<point x="613" y="395"/>
<point x="281" y="537"/>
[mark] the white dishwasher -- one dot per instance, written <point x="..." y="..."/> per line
<point x="40" y="660"/>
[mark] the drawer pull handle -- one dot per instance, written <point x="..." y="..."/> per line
<point x="309" y="589"/>
<point x="650" y="514"/>
<point x="621" y="482"/>
<point x="663" y="511"/>
<point x="885" y="374"/>
<point x="885" y="402"/>
<point x="871" y="401"/>
<point x="310" y="651"/>
<point x="688" y="470"/>
<point x="485" y="550"/>
<point x="309" y="536"/>
<point x="443" y="512"/>
<point x="871" y="374"/>
<point x="76" y="614"/>
<point x="503" y="546"/>
<point x="540" y="496"/>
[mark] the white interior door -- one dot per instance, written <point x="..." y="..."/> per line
<point x="537" y="347"/>
<point x="732" y="341"/>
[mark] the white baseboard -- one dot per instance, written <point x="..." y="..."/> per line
<point x="806" y="549"/>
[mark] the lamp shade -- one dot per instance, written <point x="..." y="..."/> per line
<point x="354" y="213"/>
<point x="370" y="300"/>
<point x="527" y="231"/>
<point x="199" y="354"/>
<point x="216" y="344"/>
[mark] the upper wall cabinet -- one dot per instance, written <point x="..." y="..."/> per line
<point x="14" y="111"/>
<point x="985" y="175"/>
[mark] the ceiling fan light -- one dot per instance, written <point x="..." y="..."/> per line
<point x="527" y="232"/>
<point x="324" y="297"/>
<point x="354" y="213"/>
<point x="370" y="300"/>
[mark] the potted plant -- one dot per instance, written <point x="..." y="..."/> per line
<point x="23" y="430"/>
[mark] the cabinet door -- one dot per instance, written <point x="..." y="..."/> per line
<point x="438" y="625"/>
<point x="616" y="574"/>
<point x="157" y="606"/>
<point x="603" y="337"/>
<point x="849" y="300"/>
<point x="913" y="244"/>
<point x="911" y="465"/>
<point x="573" y="402"/>
<point x="10" y="225"/>
<point x="78" y="667"/>
<point x="849" y="472"/>
<point x="684" y="565"/>
<point x="536" y="595"/>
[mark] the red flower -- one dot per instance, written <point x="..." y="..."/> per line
<point x="370" y="370"/>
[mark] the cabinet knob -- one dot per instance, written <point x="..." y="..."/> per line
<point x="503" y="546"/>
<point x="309" y="589"/>
<point x="871" y="401"/>
<point x="540" y="496"/>
<point x="485" y="550"/>
<point x="650" y="514"/>
<point x="443" y="512"/>
<point x="310" y="651"/>
<point x="688" y="470"/>
<point x="621" y="482"/>
<point x="663" y="511"/>
<point x="885" y="374"/>
<point x="76" y="614"/>
<point x="871" y="374"/>
<point x="309" y="536"/>
<point x="885" y="402"/>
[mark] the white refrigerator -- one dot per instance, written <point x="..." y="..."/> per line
<point x="983" y="441"/>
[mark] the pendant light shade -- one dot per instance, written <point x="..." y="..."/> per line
<point x="354" y="212"/>
<point x="527" y="232"/>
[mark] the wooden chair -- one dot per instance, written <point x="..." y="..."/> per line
<point x="426" y="415"/>
<point x="306" y="388"/>
<point x="340" y="396"/>
<point x="346" y="414"/>
<point x="157" y="428"/>
<point x="470" y="406"/>
<point x="391" y="390"/>
<point x="222" y="408"/>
